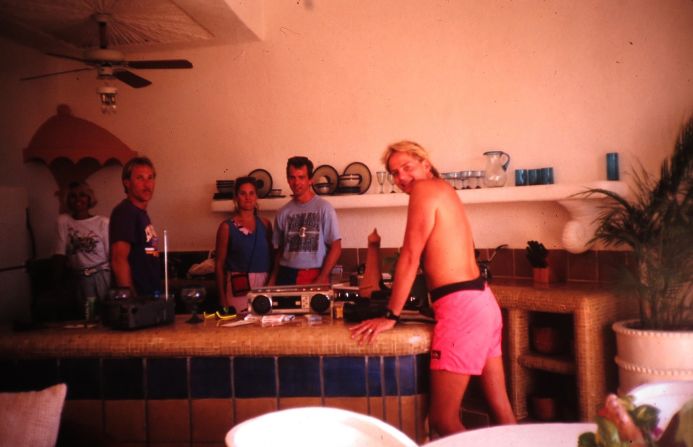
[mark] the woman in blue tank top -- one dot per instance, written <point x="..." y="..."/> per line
<point x="243" y="247"/>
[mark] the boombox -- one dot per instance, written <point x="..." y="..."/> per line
<point x="310" y="298"/>
<point x="136" y="313"/>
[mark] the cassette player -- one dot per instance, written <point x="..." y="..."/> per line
<point x="309" y="298"/>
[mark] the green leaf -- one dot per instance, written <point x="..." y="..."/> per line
<point x="608" y="433"/>
<point x="646" y="417"/>
<point x="587" y="440"/>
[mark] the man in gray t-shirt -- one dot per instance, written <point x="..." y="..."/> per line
<point x="306" y="232"/>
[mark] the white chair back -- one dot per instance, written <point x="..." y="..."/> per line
<point x="316" y="426"/>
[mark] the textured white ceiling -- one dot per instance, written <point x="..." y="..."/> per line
<point x="147" y="25"/>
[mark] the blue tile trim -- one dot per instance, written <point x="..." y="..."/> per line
<point x="390" y="378"/>
<point x="423" y="373"/>
<point x="344" y="376"/>
<point x="221" y="377"/>
<point x="375" y="379"/>
<point x="9" y="376"/>
<point x="82" y="376"/>
<point x="167" y="378"/>
<point x="210" y="377"/>
<point x="299" y="376"/>
<point x="123" y="378"/>
<point x="37" y="374"/>
<point x="254" y="377"/>
<point x="407" y="375"/>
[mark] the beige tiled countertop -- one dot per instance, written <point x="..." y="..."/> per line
<point x="210" y="339"/>
<point x="295" y="338"/>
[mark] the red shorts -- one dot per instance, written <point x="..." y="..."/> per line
<point x="467" y="331"/>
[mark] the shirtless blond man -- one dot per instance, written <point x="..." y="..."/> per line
<point x="466" y="338"/>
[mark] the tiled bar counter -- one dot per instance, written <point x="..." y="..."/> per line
<point x="185" y="384"/>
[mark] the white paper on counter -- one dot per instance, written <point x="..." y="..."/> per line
<point x="276" y="319"/>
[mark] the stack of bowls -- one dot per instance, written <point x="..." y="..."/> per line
<point x="225" y="187"/>
<point x="349" y="180"/>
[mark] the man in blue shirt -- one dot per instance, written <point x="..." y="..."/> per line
<point x="306" y="232"/>
<point x="134" y="243"/>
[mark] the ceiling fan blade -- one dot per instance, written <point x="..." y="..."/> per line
<point x="131" y="78"/>
<point x="28" y="78"/>
<point x="163" y="63"/>
<point x="66" y="56"/>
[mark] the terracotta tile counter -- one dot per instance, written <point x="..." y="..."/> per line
<point x="190" y="384"/>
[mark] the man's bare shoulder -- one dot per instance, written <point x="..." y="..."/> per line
<point x="431" y="188"/>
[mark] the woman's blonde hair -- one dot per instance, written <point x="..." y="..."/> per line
<point x="411" y="148"/>
<point x="77" y="187"/>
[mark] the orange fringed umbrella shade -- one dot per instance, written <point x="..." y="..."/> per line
<point x="74" y="148"/>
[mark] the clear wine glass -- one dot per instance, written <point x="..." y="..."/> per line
<point x="381" y="179"/>
<point x="391" y="181"/>
<point x="193" y="296"/>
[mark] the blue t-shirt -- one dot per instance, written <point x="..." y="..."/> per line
<point x="304" y="231"/>
<point x="132" y="225"/>
<point x="244" y="248"/>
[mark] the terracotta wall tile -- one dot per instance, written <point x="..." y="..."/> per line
<point x="609" y="264"/>
<point x="387" y="256"/>
<point x="81" y="423"/>
<point x="125" y="420"/>
<point x="349" y="260"/>
<point x="211" y="419"/>
<point x="558" y="261"/>
<point x="376" y="407"/>
<point x="392" y="415"/>
<point x="296" y="402"/>
<point x="168" y="420"/>
<point x="523" y="269"/>
<point x="409" y="416"/>
<point x="357" y="404"/>
<point x="502" y="264"/>
<point x="582" y="266"/>
<point x="249" y="408"/>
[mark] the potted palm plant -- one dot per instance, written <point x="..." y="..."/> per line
<point x="656" y="224"/>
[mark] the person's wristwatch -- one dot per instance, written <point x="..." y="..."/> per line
<point x="391" y="316"/>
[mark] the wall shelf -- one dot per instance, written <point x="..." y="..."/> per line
<point x="576" y="233"/>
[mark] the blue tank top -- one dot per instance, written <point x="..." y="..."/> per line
<point x="241" y="251"/>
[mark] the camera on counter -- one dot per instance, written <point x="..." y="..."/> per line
<point x="311" y="298"/>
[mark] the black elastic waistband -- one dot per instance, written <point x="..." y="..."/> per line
<point x="473" y="284"/>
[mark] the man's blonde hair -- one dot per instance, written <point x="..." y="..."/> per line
<point x="411" y="148"/>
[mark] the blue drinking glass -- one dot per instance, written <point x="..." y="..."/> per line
<point x="533" y="176"/>
<point x="521" y="177"/>
<point x="546" y="176"/>
<point x="612" y="172"/>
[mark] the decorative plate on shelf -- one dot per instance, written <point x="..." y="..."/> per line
<point x="263" y="182"/>
<point x="325" y="175"/>
<point x="361" y="169"/>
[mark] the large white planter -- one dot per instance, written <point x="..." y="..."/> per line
<point x="645" y="356"/>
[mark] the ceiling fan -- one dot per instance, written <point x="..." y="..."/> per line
<point x="112" y="63"/>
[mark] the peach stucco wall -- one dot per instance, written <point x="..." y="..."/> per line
<point x="554" y="83"/>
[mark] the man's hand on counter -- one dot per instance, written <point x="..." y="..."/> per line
<point x="366" y="331"/>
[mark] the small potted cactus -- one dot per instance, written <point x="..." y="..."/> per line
<point x="537" y="255"/>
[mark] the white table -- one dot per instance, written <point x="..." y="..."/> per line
<point x="521" y="435"/>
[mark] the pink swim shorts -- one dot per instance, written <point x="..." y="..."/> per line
<point x="467" y="331"/>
